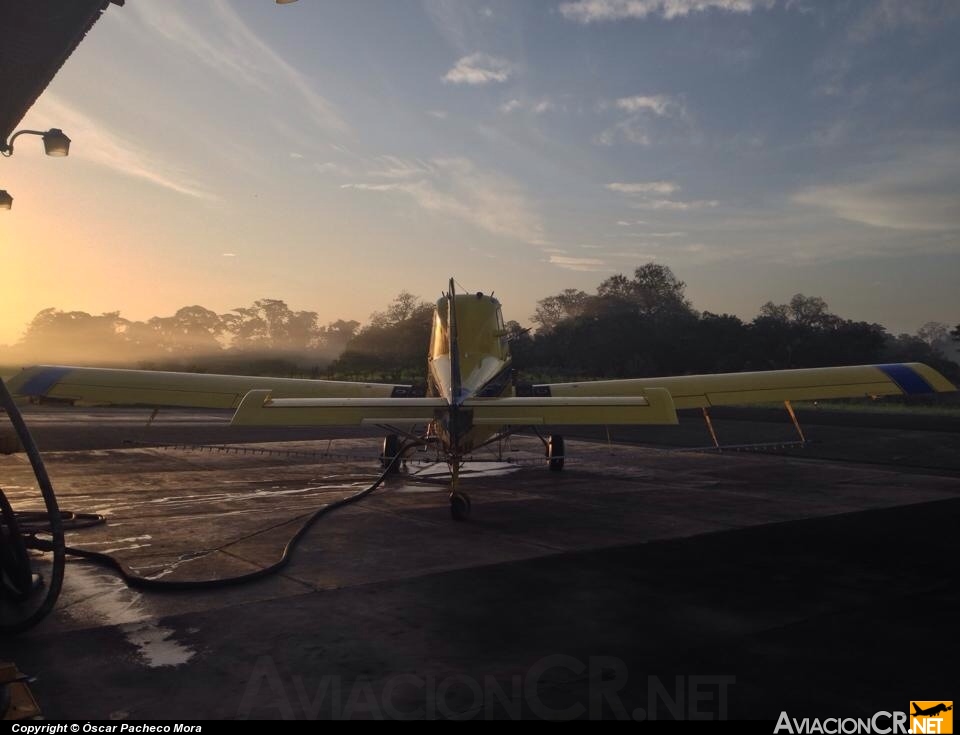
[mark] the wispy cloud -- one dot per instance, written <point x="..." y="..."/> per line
<point x="239" y="54"/>
<point x="631" y="255"/>
<point x="455" y="187"/>
<point x="650" y="195"/>
<point x="330" y="167"/>
<point x="629" y="130"/>
<point x="659" y="104"/>
<point x="478" y="69"/>
<point x="882" y="17"/>
<point x="642" y="114"/>
<point x="645" y="187"/>
<point x="462" y="25"/>
<point x="536" y="106"/>
<point x="594" y="11"/>
<point x="654" y="235"/>
<point x="920" y="196"/>
<point x="578" y="264"/>
<point x="394" y="167"/>
<point x="98" y="144"/>
<point x="674" y="205"/>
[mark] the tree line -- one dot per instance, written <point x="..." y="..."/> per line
<point x="267" y="335"/>
<point x="646" y="326"/>
<point x="636" y="326"/>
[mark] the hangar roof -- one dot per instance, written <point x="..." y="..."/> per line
<point x="36" y="38"/>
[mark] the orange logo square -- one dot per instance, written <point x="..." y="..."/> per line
<point x="931" y="716"/>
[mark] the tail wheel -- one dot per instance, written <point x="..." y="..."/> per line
<point x="391" y="448"/>
<point x="460" y="506"/>
<point x="555" y="452"/>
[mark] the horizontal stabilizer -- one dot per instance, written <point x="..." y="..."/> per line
<point x="654" y="406"/>
<point x="260" y="408"/>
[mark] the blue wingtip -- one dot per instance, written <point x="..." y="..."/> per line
<point x="907" y="379"/>
<point x="42" y="381"/>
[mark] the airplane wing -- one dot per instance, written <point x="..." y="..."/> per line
<point x="261" y="408"/>
<point x="192" y="390"/>
<point x="727" y="389"/>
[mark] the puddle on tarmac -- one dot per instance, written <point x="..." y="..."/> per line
<point x="94" y="596"/>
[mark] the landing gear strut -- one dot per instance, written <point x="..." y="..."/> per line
<point x="555" y="452"/>
<point x="391" y="448"/>
<point x="459" y="502"/>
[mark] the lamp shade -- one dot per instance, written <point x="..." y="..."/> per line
<point x="55" y="143"/>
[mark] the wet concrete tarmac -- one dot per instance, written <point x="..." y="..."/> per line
<point x="638" y="583"/>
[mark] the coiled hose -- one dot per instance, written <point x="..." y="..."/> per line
<point x="22" y="529"/>
<point x="15" y="567"/>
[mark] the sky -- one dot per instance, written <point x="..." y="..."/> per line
<point x="332" y="154"/>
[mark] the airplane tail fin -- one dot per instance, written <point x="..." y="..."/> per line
<point x="455" y="377"/>
<point x="916" y="709"/>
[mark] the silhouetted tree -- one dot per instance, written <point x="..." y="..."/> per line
<point x="404" y="306"/>
<point x="394" y="345"/>
<point x="336" y="335"/>
<point x="75" y="336"/>
<point x="633" y="326"/>
<point x="806" y="311"/>
<point x="552" y="310"/>
<point x="191" y="330"/>
<point x="269" y="324"/>
<point x="935" y="334"/>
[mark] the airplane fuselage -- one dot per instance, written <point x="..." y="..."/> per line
<point x="469" y="357"/>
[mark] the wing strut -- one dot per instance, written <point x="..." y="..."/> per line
<point x="796" y="424"/>
<point x="713" y="434"/>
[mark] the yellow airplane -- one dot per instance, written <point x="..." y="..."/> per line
<point x="471" y="399"/>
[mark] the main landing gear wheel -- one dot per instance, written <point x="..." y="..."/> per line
<point x="459" y="506"/>
<point x="391" y="448"/>
<point x="555" y="452"/>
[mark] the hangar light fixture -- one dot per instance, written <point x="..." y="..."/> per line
<point x="6" y="201"/>
<point x="55" y="143"/>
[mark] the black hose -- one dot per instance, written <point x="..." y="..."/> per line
<point x="32" y="524"/>
<point x="55" y="528"/>
<point x="139" y="582"/>
<point x="16" y="574"/>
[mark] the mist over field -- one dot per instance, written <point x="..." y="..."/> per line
<point x="644" y="325"/>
